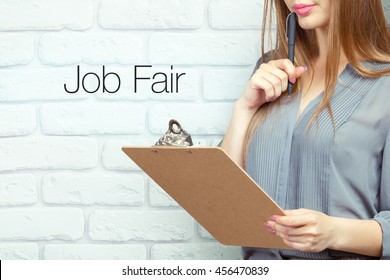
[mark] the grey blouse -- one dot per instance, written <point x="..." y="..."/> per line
<point x="341" y="170"/>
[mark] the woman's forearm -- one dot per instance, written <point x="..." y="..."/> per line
<point x="234" y="138"/>
<point x="358" y="236"/>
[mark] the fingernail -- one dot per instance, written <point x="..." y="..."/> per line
<point x="305" y="68"/>
<point x="273" y="218"/>
<point x="293" y="80"/>
<point x="266" y="225"/>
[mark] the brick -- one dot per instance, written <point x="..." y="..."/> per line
<point x="113" y="158"/>
<point x="90" y="189"/>
<point x="195" y="251"/>
<point x="158" y="197"/>
<point x="46" y="14"/>
<point x="195" y="118"/>
<point x="123" y="225"/>
<point x="36" y="84"/>
<point x="16" y="120"/>
<point x="17" y="189"/>
<point x="16" y="49"/>
<point x="231" y="14"/>
<point x="152" y="14"/>
<point x="92" y="118"/>
<point x="187" y="87"/>
<point x="48" y="153"/>
<point x="225" y="84"/>
<point x="203" y="48"/>
<point x="92" y="48"/>
<point x="94" y="252"/>
<point x="19" y="251"/>
<point x="41" y="224"/>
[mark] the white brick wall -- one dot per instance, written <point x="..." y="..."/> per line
<point x="90" y="118"/>
<point x="196" y="118"/>
<point x="89" y="189"/>
<point x="17" y="120"/>
<point x="19" y="251"/>
<point x="18" y="189"/>
<point x="41" y="223"/>
<point x="92" y="48"/>
<point x="66" y="189"/>
<point x="224" y="84"/>
<point x="152" y="14"/>
<point x="31" y="153"/>
<point x="33" y="83"/>
<point x="16" y="49"/>
<point x="232" y="14"/>
<point x="194" y="251"/>
<point x="46" y="14"/>
<point x="203" y="48"/>
<point x="94" y="252"/>
<point x="126" y="225"/>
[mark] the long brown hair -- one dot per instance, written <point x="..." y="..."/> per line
<point x="357" y="27"/>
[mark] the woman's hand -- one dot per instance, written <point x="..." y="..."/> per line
<point x="268" y="82"/>
<point x="312" y="231"/>
<point x="304" y="230"/>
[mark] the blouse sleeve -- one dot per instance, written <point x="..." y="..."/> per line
<point x="383" y="217"/>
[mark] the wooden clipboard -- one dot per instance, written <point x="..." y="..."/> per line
<point x="214" y="190"/>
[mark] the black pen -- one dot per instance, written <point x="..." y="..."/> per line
<point x="291" y="28"/>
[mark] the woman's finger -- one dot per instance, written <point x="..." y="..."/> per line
<point x="287" y="66"/>
<point x="296" y="220"/>
<point x="280" y="74"/>
<point x="261" y="83"/>
<point x="275" y="82"/>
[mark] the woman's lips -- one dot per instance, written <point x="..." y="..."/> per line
<point x="303" y="9"/>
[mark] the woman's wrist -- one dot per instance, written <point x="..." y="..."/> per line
<point x="242" y="108"/>
<point x="337" y="234"/>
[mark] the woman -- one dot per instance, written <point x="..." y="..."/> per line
<point x="324" y="152"/>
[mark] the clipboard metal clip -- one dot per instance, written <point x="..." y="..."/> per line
<point x="175" y="136"/>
